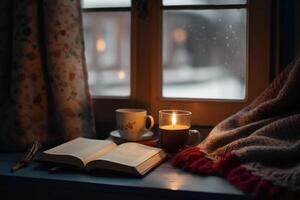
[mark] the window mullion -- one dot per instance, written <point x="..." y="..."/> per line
<point x="146" y="55"/>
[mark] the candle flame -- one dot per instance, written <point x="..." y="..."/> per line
<point x="173" y="119"/>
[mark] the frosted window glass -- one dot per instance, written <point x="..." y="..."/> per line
<point x="107" y="51"/>
<point x="204" y="54"/>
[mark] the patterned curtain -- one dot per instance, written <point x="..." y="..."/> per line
<point x="43" y="79"/>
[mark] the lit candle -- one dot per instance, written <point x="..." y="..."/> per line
<point x="175" y="123"/>
<point x="174" y="128"/>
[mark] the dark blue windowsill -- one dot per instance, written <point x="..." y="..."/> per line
<point x="164" y="182"/>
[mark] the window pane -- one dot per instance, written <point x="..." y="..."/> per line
<point x="105" y="3"/>
<point x="203" y="2"/>
<point x="107" y="50"/>
<point x="204" y="54"/>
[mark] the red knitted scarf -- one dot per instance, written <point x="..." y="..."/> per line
<point x="193" y="160"/>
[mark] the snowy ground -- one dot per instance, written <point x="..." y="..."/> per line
<point x="207" y="83"/>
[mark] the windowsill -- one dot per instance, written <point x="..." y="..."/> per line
<point x="164" y="182"/>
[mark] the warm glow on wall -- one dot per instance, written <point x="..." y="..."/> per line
<point x="179" y="35"/>
<point x="100" y="45"/>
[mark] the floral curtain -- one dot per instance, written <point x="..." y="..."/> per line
<point x="43" y="79"/>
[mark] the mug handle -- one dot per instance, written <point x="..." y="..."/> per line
<point x="194" y="138"/>
<point x="151" y="122"/>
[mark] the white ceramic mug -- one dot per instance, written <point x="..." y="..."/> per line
<point x="131" y="123"/>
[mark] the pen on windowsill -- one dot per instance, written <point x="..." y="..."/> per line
<point x="27" y="158"/>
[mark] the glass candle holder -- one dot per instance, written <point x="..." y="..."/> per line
<point x="174" y="129"/>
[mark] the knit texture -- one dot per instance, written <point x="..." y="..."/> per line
<point x="258" y="148"/>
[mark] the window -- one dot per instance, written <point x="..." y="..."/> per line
<point x="207" y="56"/>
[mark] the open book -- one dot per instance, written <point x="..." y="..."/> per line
<point x="92" y="154"/>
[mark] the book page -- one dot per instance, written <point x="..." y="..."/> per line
<point x="130" y="154"/>
<point x="83" y="148"/>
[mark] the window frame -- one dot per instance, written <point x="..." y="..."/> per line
<point x="146" y="64"/>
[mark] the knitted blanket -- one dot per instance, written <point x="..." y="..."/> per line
<point x="258" y="148"/>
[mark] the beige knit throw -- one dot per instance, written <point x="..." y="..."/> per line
<point x="264" y="136"/>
